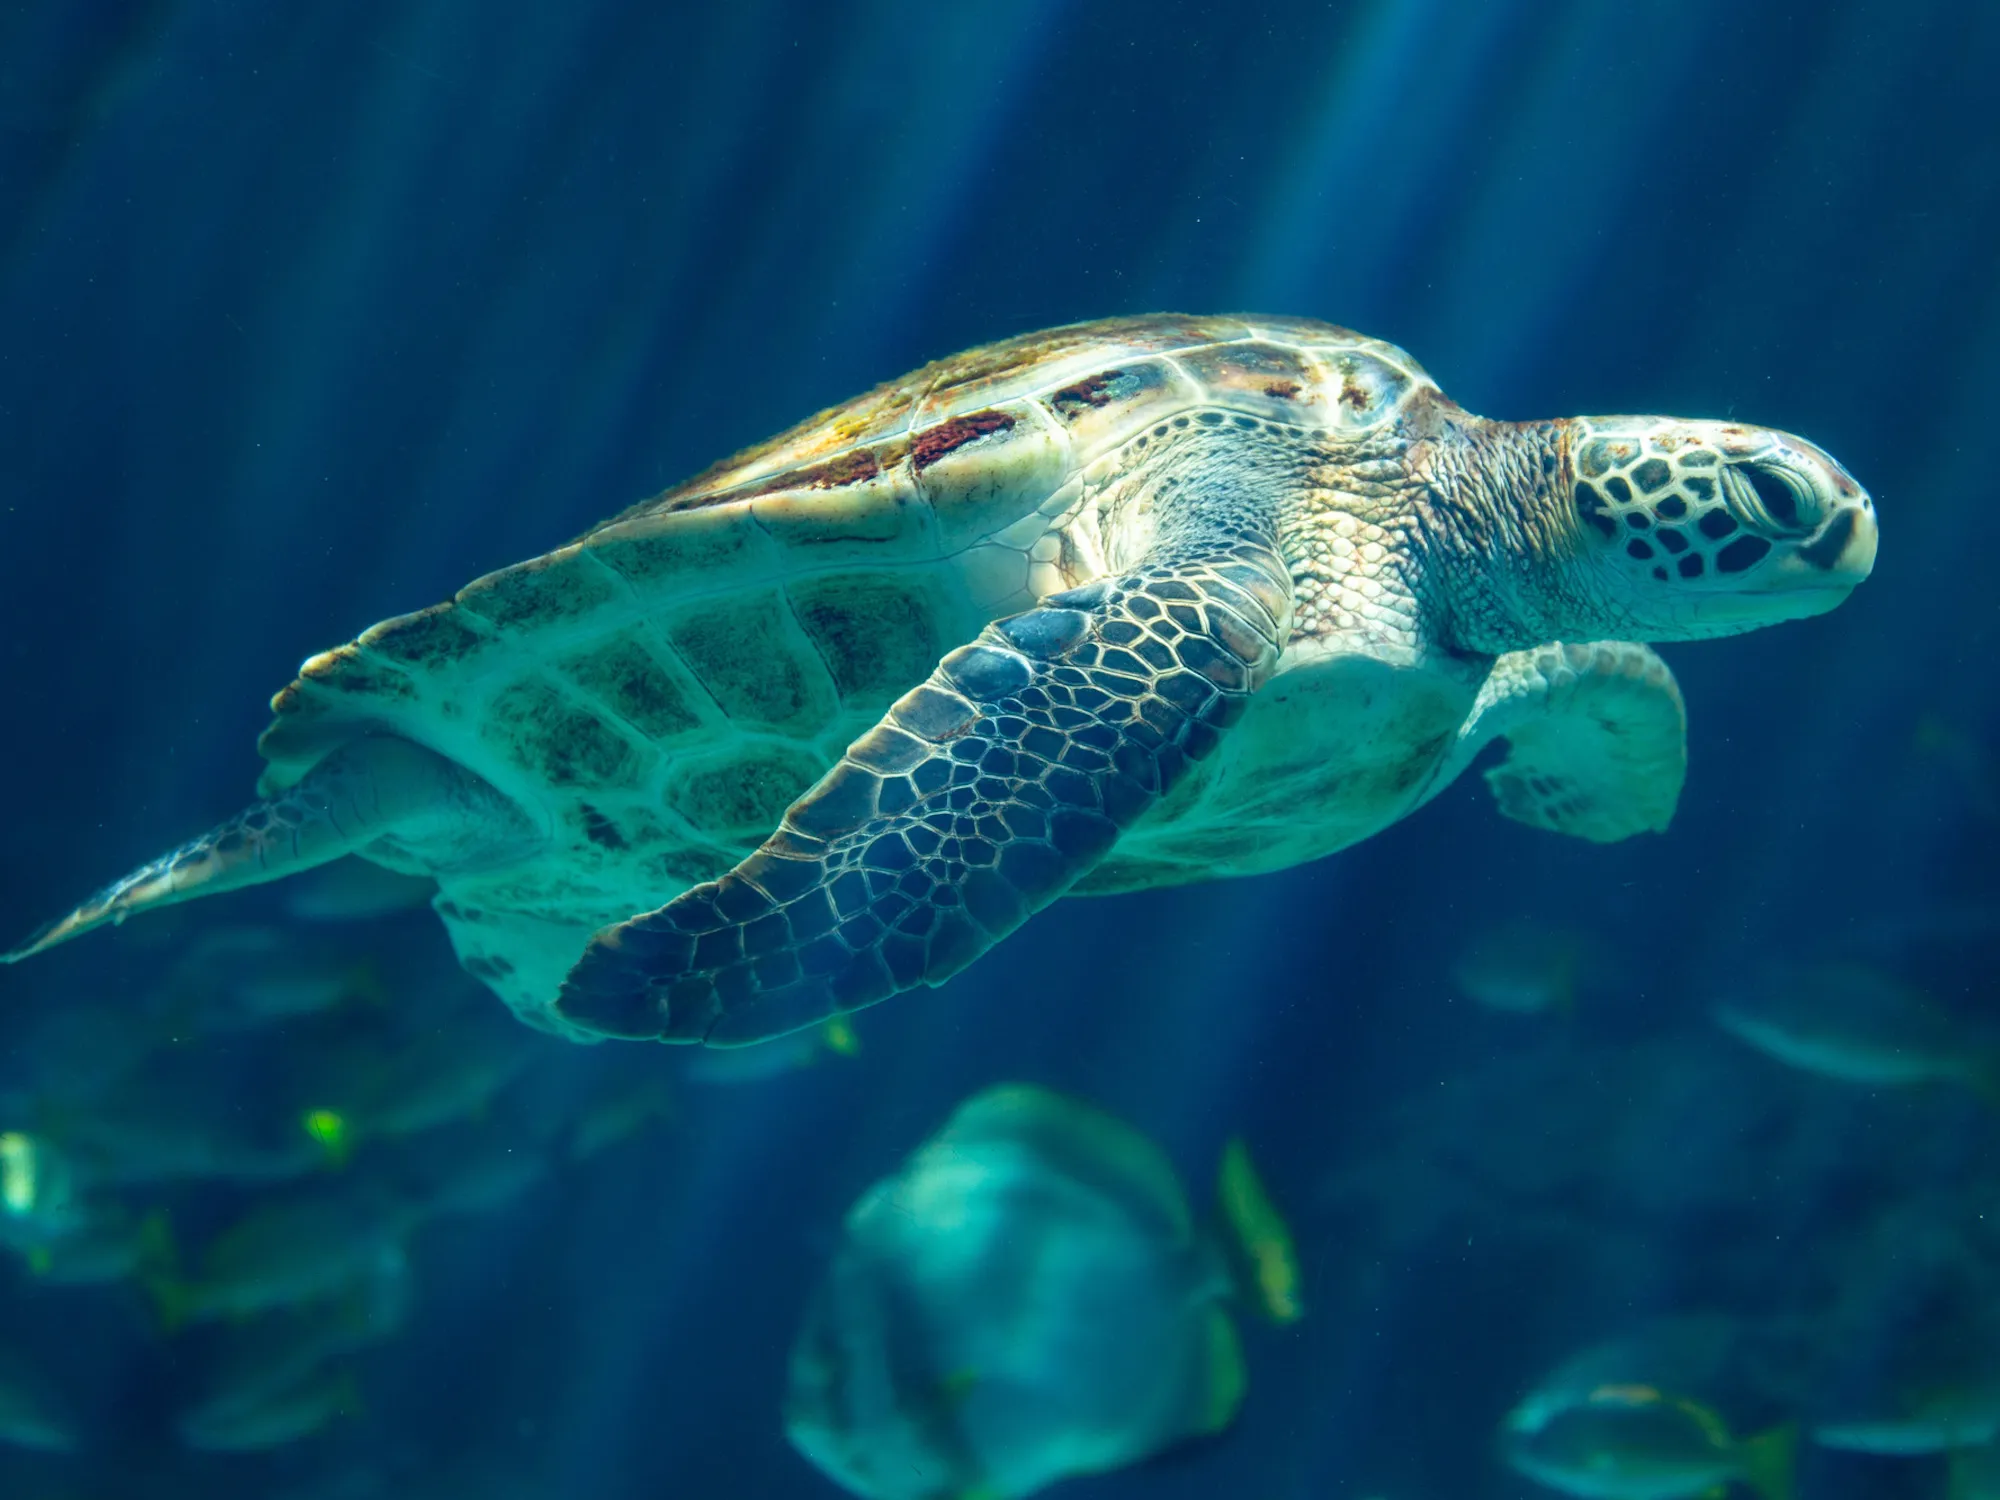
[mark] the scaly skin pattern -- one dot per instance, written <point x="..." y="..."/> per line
<point x="1376" y="683"/>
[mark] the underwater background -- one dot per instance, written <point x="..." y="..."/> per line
<point x="311" y="313"/>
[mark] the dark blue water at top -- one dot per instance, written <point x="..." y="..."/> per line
<point x="311" y="313"/>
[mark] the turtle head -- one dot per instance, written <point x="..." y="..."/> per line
<point x="1693" y="529"/>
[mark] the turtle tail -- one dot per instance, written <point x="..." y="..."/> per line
<point x="370" y="787"/>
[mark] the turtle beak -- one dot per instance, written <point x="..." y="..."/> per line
<point x="1837" y="557"/>
<point x="1845" y="546"/>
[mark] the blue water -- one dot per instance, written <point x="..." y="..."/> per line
<point x="311" y="313"/>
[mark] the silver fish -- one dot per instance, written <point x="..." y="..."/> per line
<point x="1027" y="1298"/>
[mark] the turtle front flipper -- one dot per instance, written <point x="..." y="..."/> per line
<point x="979" y="799"/>
<point x="372" y="788"/>
<point x="1597" y="738"/>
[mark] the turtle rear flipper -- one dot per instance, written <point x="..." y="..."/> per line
<point x="980" y="798"/>
<point x="1597" y="739"/>
<point x="377" y="787"/>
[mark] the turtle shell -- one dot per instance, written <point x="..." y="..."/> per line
<point x="658" y="691"/>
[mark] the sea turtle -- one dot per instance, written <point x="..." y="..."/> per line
<point x="1123" y="604"/>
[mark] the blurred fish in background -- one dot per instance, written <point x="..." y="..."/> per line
<point x="1028" y="1298"/>
<point x="1911" y="1361"/>
<point x="619" y="1110"/>
<point x="108" y="1242"/>
<point x="32" y="1413"/>
<point x="276" y="1123"/>
<point x="270" y="1380"/>
<point x="240" y="978"/>
<point x="1860" y="1025"/>
<point x="1638" y="1442"/>
<point x="1936" y="1404"/>
<point x="1650" y="1417"/>
<point x="1527" y="967"/>
<point x="775" y="1058"/>
<point x="272" y="1417"/>
<point x="413" y="1079"/>
<point x="289" y="1249"/>
<point x="37" y="1189"/>
<point x="355" y="890"/>
<point x="171" y="1119"/>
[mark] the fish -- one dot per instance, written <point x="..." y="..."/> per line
<point x="105" y="1243"/>
<point x="723" y="1066"/>
<point x="32" y="1414"/>
<point x="468" y="1168"/>
<point x="37" y="1188"/>
<point x="80" y="1051"/>
<point x="239" y="978"/>
<point x="257" y="1380"/>
<point x="618" y="1114"/>
<point x="1931" y="1386"/>
<point x="1638" y="1442"/>
<point x="1259" y="1231"/>
<point x="288" y="1111"/>
<point x="1640" y="1419"/>
<point x="274" y="1417"/>
<point x="1524" y="967"/>
<point x="1933" y="1421"/>
<point x="356" y="890"/>
<point x="371" y="1087"/>
<point x="291" y="1248"/>
<point x="176" y="1119"/>
<point x="1028" y="1297"/>
<point x="332" y="1130"/>
<point x="1857" y="1024"/>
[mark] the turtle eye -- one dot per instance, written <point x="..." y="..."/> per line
<point x="1776" y="493"/>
